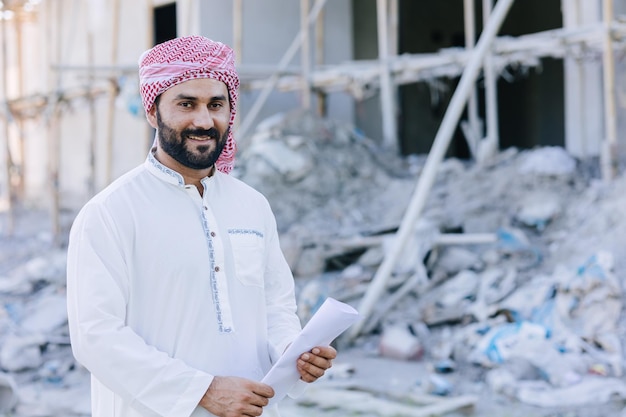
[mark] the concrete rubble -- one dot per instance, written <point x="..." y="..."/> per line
<point x="529" y="321"/>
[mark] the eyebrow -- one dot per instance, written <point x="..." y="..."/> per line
<point x="193" y="98"/>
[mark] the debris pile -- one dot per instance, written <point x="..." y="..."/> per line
<point x="513" y="269"/>
<point x="39" y="376"/>
<point x="509" y="291"/>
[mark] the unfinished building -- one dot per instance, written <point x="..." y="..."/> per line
<point x="474" y="75"/>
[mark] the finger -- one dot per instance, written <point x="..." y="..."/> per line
<point x="259" y="400"/>
<point x="326" y="352"/>
<point x="309" y="370"/>
<point x="253" y="405"/>
<point x="306" y="376"/>
<point x="263" y="390"/>
<point x="253" y="411"/>
<point x="318" y="361"/>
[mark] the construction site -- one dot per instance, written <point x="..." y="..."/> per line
<point x="452" y="169"/>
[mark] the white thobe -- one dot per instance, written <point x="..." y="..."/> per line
<point x="167" y="289"/>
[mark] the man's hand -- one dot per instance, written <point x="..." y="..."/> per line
<point x="236" y="397"/>
<point x="312" y="365"/>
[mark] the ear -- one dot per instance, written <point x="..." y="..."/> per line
<point x="151" y="116"/>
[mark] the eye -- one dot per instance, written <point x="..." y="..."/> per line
<point x="186" y="104"/>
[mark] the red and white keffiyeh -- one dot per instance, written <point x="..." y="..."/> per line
<point x="178" y="60"/>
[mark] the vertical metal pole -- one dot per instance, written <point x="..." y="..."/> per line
<point x="574" y="94"/>
<point x="237" y="30"/>
<point x="393" y="45"/>
<point x="21" y="174"/>
<point x="319" y="60"/>
<point x="56" y="16"/>
<point x="150" y="27"/>
<point x="237" y="41"/>
<point x="386" y="85"/>
<point x="475" y="133"/>
<point x="9" y="163"/>
<point x="148" y="136"/>
<point x="394" y="26"/>
<point x="191" y="19"/>
<point x="609" y="146"/>
<point x="93" y="128"/>
<point x="305" y="55"/>
<point x="112" y="95"/>
<point x="490" y="145"/>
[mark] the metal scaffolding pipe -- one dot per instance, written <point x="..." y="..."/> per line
<point x="305" y="54"/>
<point x="609" y="145"/>
<point x="386" y="92"/>
<point x="490" y="144"/>
<point x="5" y="123"/>
<point x="110" y="124"/>
<point x="435" y="156"/>
<point x="475" y="133"/>
<point x="238" y="30"/>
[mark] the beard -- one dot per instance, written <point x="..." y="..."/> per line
<point x="173" y="142"/>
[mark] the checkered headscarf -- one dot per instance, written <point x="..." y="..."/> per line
<point x="182" y="59"/>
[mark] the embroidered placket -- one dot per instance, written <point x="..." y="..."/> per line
<point x="219" y="286"/>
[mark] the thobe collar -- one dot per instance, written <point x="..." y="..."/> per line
<point x="168" y="174"/>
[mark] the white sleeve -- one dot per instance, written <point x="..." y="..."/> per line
<point x="97" y="294"/>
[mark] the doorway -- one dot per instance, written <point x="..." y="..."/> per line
<point x="164" y="20"/>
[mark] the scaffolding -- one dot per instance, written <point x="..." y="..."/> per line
<point x="360" y="79"/>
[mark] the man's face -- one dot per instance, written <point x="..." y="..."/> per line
<point x="191" y="119"/>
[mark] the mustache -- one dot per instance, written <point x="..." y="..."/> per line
<point x="213" y="133"/>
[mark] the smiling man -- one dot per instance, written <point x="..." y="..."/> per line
<point x="179" y="297"/>
<point x="196" y="130"/>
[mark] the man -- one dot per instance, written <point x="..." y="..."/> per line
<point x="179" y="298"/>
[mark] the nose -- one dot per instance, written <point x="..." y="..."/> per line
<point x="202" y="118"/>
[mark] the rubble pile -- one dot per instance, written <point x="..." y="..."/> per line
<point x="323" y="175"/>
<point x="514" y="268"/>
<point x="509" y="290"/>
